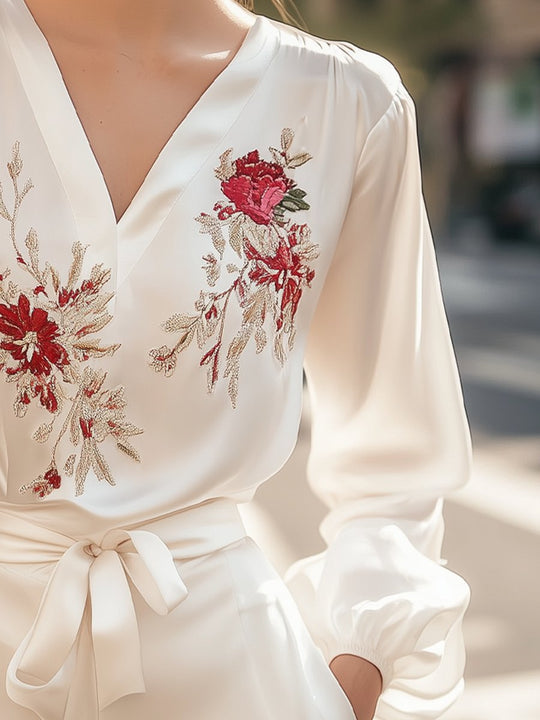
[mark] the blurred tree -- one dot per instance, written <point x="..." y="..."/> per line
<point x="411" y="33"/>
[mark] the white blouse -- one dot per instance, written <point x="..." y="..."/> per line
<point x="151" y="364"/>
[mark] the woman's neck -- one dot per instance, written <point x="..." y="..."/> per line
<point x="145" y="23"/>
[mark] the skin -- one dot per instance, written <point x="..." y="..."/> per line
<point x="361" y="682"/>
<point x="133" y="70"/>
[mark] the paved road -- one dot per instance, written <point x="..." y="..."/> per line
<point x="492" y="526"/>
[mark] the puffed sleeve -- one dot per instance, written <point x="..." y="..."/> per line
<point x="390" y="438"/>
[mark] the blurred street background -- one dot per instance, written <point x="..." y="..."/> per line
<point x="473" y="68"/>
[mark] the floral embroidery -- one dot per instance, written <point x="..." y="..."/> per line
<point x="272" y="267"/>
<point x="47" y="333"/>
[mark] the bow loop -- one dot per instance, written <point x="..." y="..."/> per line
<point x="97" y="573"/>
<point x="49" y="641"/>
<point x="153" y="572"/>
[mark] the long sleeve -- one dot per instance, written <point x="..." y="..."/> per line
<point x="390" y="438"/>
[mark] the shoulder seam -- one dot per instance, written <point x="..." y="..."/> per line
<point x="391" y="104"/>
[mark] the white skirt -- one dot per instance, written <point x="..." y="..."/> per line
<point x="235" y="647"/>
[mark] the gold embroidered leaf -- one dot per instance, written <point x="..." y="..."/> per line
<point x="92" y="348"/>
<point x="54" y="278"/>
<point x="43" y="432"/>
<point x="212" y="227"/>
<point x="100" y="466"/>
<point x="26" y="189"/>
<point x="15" y="165"/>
<point x="218" y="239"/>
<point x="264" y="239"/>
<point x="128" y="449"/>
<point x="78" y="252"/>
<point x="69" y="466"/>
<point x="232" y="268"/>
<point x="237" y="346"/>
<point x="212" y="267"/>
<point x="32" y="245"/>
<point x="39" y="481"/>
<point x="255" y="309"/>
<point x="279" y="352"/>
<point x="226" y="167"/>
<point x="277" y="155"/>
<point x="128" y="430"/>
<point x="92" y="380"/>
<point x="70" y="375"/>
<point x="206" y="326"/>
<point x="201" y="335"/>
<point x="12" y="290"/>
<point x="298" y="160"/>
<point x="178" y="322"/>
<point x="211" y="360"/>
<point x="308" y="251"/>
<point x="236" y="235"/>
<point x="287" y="136"/>
<point x="95" y="326"/>
<point x="292" y="338"/>
<point x="200" y="302"/>
<point x="115" y="398"/>
<point x="99" y="302"/>
<point x="260" y="339"/>
<point x="74" y="426"/>
<point x="211" y="373"/>
<point x="99" y="275"/>
<point x="232" y="368"/>
<point x="19" y="406"/>
<point x="31" y="240"/>
<point x="232" y="387"/>
<point x="83" y="466"/>
<point x="3" y="209"/>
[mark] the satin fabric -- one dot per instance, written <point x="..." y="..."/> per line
<point x="297" y="173"/>
<point x="237" y="632"/>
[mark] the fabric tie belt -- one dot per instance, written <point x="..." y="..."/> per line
<point x="96" y="574"/>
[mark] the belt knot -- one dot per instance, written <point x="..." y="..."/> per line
<point x="93" y="550"/>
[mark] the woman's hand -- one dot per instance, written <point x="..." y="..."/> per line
<point x="361" y="681"/>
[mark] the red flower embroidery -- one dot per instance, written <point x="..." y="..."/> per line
<point x="32" y="336"/>
<point x="44" y="343"/>
<point x="285" y="269"/>
<point x="256" y="187"/>
<point x="275" y="265"/>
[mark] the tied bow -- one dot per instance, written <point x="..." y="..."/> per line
<point x="98" y="573"/>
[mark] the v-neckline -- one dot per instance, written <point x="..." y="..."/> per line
<point x="64" y="106"/>
<point x="121" y="245"/>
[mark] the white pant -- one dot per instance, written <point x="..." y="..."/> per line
<point x="235" y="647"/>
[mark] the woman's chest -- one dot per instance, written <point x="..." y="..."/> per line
<point x="220" y="256"/>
